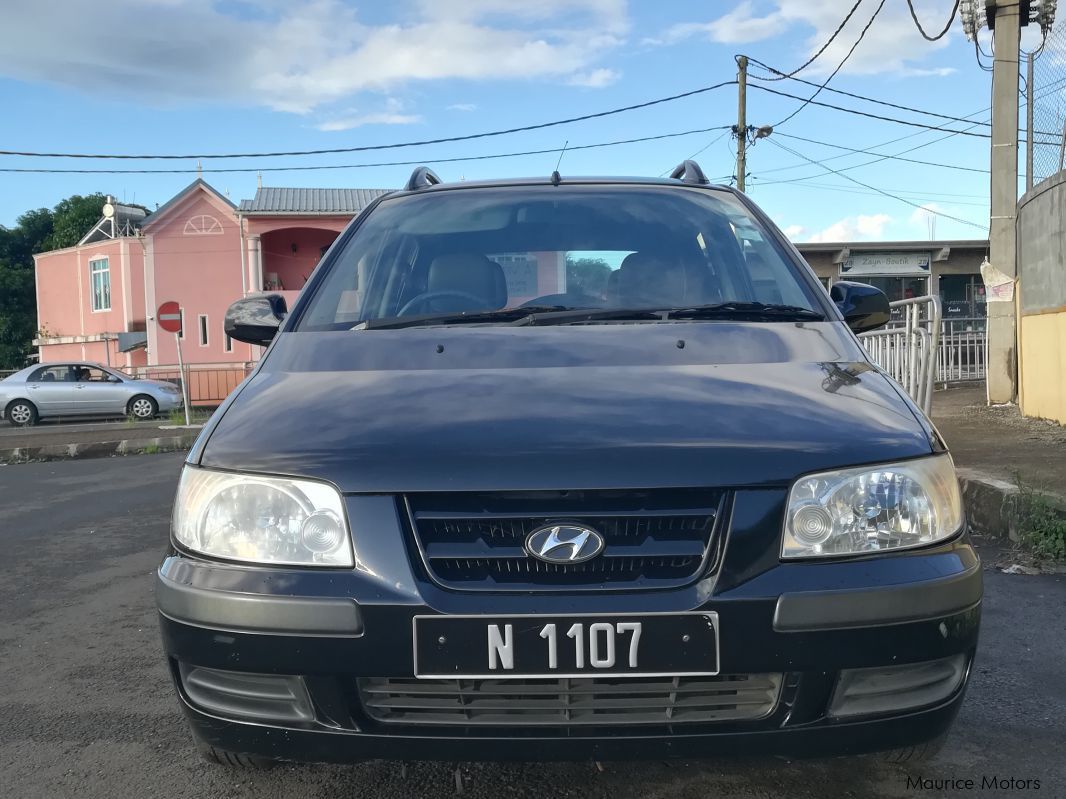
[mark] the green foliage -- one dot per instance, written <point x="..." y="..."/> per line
<point x="38" y="230"/>
<point x="73" y="217"/>
<point x="587" y="276"/>
<point x="1042" y="525"/>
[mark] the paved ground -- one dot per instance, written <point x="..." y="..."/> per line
<point x="86" y="709"/>
<point x="82" y="432"/>
<point x="999" y="441"/>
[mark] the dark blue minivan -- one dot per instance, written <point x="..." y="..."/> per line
<point x="564" y="469"/>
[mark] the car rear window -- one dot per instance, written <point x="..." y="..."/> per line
<point x="483" y="249"/>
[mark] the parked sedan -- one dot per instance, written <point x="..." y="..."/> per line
<point x="82" y="389"/>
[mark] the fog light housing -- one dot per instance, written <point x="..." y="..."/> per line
<point x="238" y="694"/>
<point x="891" y="689"/>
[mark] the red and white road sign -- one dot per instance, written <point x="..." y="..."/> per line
<point x="169" y="317"/>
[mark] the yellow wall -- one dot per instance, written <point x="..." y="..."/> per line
<point x="1043" y="365"/>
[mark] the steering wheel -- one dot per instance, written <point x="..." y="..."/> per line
<point x="419" y="300"/>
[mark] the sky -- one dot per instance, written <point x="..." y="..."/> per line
<point x="211" y="77"/>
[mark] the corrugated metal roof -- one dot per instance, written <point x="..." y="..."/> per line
<point x="310" y="201"/>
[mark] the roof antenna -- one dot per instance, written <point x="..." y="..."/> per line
<point x="556" y="177"/>
<point x="259" y="180"/>
<point x="199" y="169"/>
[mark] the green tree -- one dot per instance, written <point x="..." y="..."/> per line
<point x="73" y="217"/>
<point x="587" y="276"/>
<point x="35" y="231"/>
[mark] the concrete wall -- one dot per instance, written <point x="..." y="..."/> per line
<point x="1041" y="300"/>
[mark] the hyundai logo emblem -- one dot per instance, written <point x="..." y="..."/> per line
<point x="564" y="543"/>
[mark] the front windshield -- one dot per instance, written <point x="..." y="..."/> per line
<point x="597" y="247"/>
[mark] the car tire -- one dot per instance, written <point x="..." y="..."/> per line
<point x="221" y="757"/>
<point x="21" y="413"/>
<point x="919" y="753"/>
<point x="142" y="407"/>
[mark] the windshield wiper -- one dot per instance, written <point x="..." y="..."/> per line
<point x="570" y="316"/>
<point x="757" y="311"/>
<point x="462" y="317"/>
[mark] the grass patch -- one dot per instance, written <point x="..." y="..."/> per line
<point x="1042" y="524"/>
<point x="196" y="416"/>
<point x="152" y="449"/>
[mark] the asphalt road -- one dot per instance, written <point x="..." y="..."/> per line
<point x="86" y="708"/>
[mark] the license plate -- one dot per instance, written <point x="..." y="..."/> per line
<point x="486" y="647"/>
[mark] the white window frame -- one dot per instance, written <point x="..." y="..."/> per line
<point x="204" y="330"/>
<point x="106" y="274"/>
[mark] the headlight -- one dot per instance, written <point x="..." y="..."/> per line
<point x="873" y="509"/>
<point x="261" y="519"/>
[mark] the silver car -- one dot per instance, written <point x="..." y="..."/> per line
<point x="82" y="388"/>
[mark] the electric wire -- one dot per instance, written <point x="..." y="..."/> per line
<point x="921" y="30"/>
<point x="369" y="147"/>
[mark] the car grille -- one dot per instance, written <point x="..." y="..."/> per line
<point x="567" y="702"/>
<point x="653" y="539"/>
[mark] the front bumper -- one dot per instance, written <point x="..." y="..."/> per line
<point x="167" y="401"/>
<point x="807" y="622"/>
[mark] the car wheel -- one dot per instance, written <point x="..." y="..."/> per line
<point x="142" y="407"/>
<point x="221" y="757"/>
<point x="21" y="413"/>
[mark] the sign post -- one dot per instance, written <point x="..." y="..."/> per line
<point x="169" y="318"/>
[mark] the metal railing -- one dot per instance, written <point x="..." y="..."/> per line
<point x="209" y="384"/>
<point x="963" y="351"/>
<point x="907" y="349"/>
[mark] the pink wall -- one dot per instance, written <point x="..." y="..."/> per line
<point x="293" y="253"/>
<point x="196" y="257"/>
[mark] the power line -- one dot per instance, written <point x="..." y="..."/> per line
<point x="840" y="66"/>
<point x="885" y="155"/>
<point x="868" y="114"/>
<point x="420" y="161"/>
<point x="707" y="146"/>
<point x="921" y="30"/>
<point x="836" y="187"/>
<point x="824" y="47"/>
<point x="874" y="188"/>
<point x="365" y="148"/>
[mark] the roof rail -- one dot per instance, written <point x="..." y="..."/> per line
<point x="423" y="177"/>
<point x="689" y="172"/>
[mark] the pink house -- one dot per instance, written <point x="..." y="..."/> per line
<point x="97" y="301"/>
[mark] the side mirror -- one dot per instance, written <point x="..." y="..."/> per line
<point x="255" y="320"/>
<point x="864" y="307"/>
<point x="113" y="379"/>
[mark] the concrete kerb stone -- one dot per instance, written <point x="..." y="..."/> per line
<point x="98" y="449"/>
<point x="995" y="507"/>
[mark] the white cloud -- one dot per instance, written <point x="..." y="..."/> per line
<point x="381" y="118"/>
<point x="853" y="228"/>
<point x="299" y="55"/>
<point x="738" y="26"/>
<point x="892" y="45"/>
<point x="596" y="79"/>
<point x="461" y="107"/>
<point x="794" y="232"/>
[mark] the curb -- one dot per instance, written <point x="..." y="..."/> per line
<point x="994" y="507"/>
<point x="99" y="449"/>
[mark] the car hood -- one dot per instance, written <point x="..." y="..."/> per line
<point x="598" y="406"/>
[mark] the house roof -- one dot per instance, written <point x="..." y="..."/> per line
<point x="199" y="183"/>
<point x="893" y="246"/>
<point x="284" y="201"/>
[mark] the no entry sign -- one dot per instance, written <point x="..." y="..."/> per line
<point x="169" y="317"/>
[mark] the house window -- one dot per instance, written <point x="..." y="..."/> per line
<point x="203" y="225"/>
<point x="203" y="330"/>
<point x="227" y="342"/>
<point x="100" y="284"/>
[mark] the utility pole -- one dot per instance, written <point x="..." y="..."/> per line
<point x="741" y="130"/>
<point x="1030" y="94"/>
<point x="1002" y="364"/>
